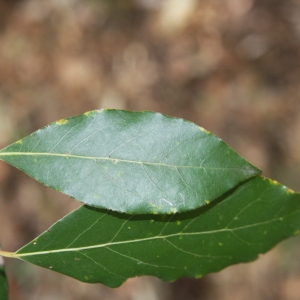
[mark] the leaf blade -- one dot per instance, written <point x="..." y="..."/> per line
<point x="108" y="247"/>
<point x="3" y="282"/>
<point x="133" y="162"/>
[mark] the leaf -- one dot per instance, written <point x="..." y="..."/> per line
<point x="133" y="162"/>
<point x="3" y="282"/>
<point x="108" y="247"/>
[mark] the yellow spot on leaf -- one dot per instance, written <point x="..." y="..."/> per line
<point x="290" y="191"/>
<point x="92" y="112"/>
<point x="204" y="130"/>
<point x="19" y="142"/>
<point x="220" y="244"/>
<point x="61" y="122"/>
<point x="274" y="182"/>
<point x="178" y="222"/>
<point x="173" y="210"/>
<point x="207" y="202"/>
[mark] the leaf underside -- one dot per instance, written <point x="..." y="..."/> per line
<point x="133" y="162"/>
<point x="95" y="245"/>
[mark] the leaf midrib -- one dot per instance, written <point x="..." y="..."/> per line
<point x="113" y="160"/>
<point x="20" y="255"/>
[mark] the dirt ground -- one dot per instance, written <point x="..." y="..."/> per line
<point x="231" y="66"/>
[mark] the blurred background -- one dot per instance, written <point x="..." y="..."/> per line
<point x="231" y="66"/>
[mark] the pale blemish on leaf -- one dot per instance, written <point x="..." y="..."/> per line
<point x="173" y="210"/>
<point x="19" y="142"/>
<point x="61" y="122"/>
<point x="290" y="191"/>
<point x="204" y="130"/>
<point x="88" y="113"/>
<point x="274" y="182"/>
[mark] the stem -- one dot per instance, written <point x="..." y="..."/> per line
<point x="8" y="254"/>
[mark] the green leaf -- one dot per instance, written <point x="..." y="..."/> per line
<point x="102" y="246"/>
<point x="3" y="282"/>
<point x="133" y="162"/>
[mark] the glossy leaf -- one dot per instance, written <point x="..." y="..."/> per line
<point x="108" y="247"/>
<point x="134" y="162"/>
<point x="3" y="282"/>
